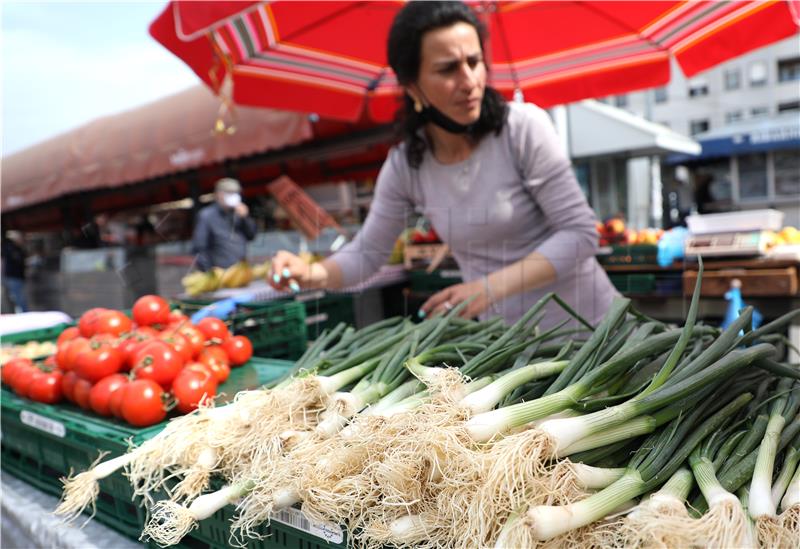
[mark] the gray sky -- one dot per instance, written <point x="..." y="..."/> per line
<point x="67" y="63"/>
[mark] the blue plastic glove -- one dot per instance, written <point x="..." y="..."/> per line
<point x="670" y="246"/>
<point x="736" y="304"/>
<point x="221" y="309"/>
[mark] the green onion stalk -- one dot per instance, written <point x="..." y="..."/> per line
<point x="656" y="461"/>
<point x="762" y="504"/>
<point x="790" y="506"/>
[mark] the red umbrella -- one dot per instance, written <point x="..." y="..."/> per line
<point x="330" y="57"/>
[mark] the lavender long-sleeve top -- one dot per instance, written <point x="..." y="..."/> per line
<point x="516" y="194"/>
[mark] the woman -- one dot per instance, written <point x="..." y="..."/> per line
<point x="490" y="176"/>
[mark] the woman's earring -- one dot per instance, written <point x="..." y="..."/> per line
<point x="417" y="105"/>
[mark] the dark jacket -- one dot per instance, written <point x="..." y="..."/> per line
<point x="220" y="237"/>
<point x="13" y="259"/>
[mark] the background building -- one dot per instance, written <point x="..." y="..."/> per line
<point x="746" y="115"/>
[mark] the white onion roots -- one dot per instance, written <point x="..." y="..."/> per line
<point x="169" y="523"/>
<point x="658" y="522"/>
<point x="80" y="492"/>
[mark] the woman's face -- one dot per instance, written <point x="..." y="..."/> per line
<point x="452" y="73"/>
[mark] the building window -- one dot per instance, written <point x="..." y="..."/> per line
<point x="758" y="74"/>
<point x="789" y="69"/>
<point x="698" y="88"/>
<point x="789" y="106"/>
<point x="753" y="176"/>
<point x="787" y="174"/>
<point x="733" y="116"/>
<point x="733" y="79"/>
<point x="621" y="101"/>
<point x="759" y="112"/>
<point x="698" y="126"/>
<point x="660" y="94"/>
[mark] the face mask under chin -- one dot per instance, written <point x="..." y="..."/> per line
<point x="435" y="116"/>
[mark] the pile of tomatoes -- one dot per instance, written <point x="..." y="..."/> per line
<point x="135" y="369"/>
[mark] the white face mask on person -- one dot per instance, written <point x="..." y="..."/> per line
<point x="232" y="200"/>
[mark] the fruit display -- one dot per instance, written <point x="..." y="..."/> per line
<point x="237" y="275"/>
<point x="614" y="232"/>
<point x="136" y="368"/>
<point x="31" y="350"/>
<point x="787" y="236"/>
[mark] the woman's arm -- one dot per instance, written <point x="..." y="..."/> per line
<point x="373" y="244"/>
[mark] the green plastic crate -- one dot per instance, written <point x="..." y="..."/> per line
<point x="42" y="334"/>
<point x="277" y="329"/>
<point x="325" y="310"/>
<point x="42" y="443"/>
<point x="630" y="254"/>
<point x="634" y="283"/>
<point x="423" y="282"/>
<point x="214" y="532"/>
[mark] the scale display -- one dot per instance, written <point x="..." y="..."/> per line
<point x="727" y="244"/>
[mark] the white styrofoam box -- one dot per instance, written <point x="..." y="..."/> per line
<point x="728" y="222"/>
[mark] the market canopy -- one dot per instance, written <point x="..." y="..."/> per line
<point x="330" y="57"/>
<point x="170" y="135"/>
<point x="597" y="129"/>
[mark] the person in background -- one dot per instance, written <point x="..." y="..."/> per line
<point x="491" y="177"/>
<point x="13" y="255"/>
<point x="223" y="228"/>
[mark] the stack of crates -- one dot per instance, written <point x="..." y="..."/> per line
<point x="277" y="329"/>
<point x="324" y="310"/>
<point x="41" y="443"/>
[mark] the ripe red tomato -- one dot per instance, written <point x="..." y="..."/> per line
<point x="112" y="322"/>
<point x="100" y="395"/>
<point x="97" y="363"/>
<point x="143" y="403"/>
<point x="127" y="347"/>
<point x="12" y="367"/>
<point x="151" y="309"/>
<point x="115" y="400"/>
<point x="88" y="320"/>
<point x="193" y="386"/>
<point x="213" y="328"/>
<point x="68" y="358"/>
<point x="23" y="377"/>
<point x="68" y="385"/>
<point x="217" y="360"/>
<point x="178" y="342"/>
<point x="46" y="388"/>
<point x="194" y="337"/>
<point x="147" y="331"/>
<point x="80" y="393"/>
<point x="239" y="350"/>
<point x="157" y="360"/>
<point x="68" y="334"/>
<point x="178" y="319"/>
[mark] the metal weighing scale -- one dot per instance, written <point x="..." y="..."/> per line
<point x="745" y="243"/>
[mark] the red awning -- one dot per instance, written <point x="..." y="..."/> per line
<point x="171" y="135"/>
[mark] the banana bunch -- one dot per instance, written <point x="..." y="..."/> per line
<point x="237" y="275"/>
<point x="199" y="282"/>
<point x="262" y="269"/>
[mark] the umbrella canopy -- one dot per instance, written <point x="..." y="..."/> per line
<point x="330" y="57"/>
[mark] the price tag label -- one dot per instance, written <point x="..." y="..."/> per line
<point x="313" y="319"/>
<point x="296" y="519"/>
<point x="42" y="423"/>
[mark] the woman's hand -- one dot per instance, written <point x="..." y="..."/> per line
<point x="442" y="302"/>
<point x="291" y="273"/>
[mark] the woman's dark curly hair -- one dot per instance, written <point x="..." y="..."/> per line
<point x="404" y="51"/>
